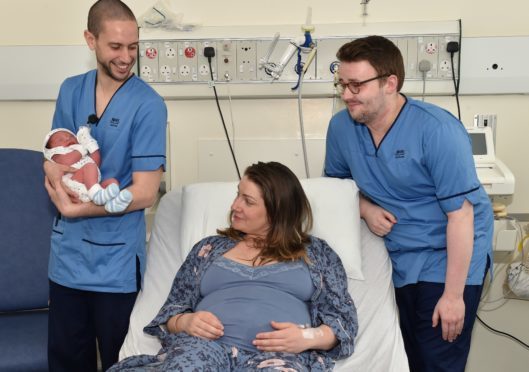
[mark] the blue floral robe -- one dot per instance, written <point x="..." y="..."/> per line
<point x="330" y="304"/>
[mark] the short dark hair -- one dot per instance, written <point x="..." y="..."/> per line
<point x="288" y="211"/>
<point x="381" y="53"/>
<point x="104" y="10"/>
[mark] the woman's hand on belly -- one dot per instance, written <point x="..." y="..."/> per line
<point x="203" y="324"/>
<point x="292" y="338"/>
<point x="287" y="337"/>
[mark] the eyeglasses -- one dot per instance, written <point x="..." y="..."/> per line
<point x="354" y="86"/>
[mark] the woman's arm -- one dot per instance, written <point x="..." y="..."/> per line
<point x="334" y="307"/>
<point x="203" y="324"/>
<point x="184" y="293"/>
<point x="291" y="338"/>
<point x="335" y="310"/>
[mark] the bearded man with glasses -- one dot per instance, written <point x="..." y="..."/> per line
<point x="413" y="164"/>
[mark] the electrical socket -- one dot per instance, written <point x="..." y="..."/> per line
<point x="445" y="68"/>
<point x="445" y="64"/>
<point x="203" y="72"/>
<point x="166" y="74"/>
<point x="187" y="60"/>
<point x="246" y="60"/>
<point x="146" y="73"/>
<point x="148" y="60"/>
<point x="185" y="72"/>
<point x="428" y="50"/>
<point x="202" y="61"/>
<point x="168" y="62"/>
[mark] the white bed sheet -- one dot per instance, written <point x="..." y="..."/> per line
<point x="378" y="346"/>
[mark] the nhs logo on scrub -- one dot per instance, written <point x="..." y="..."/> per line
<point x="114" y="122"/>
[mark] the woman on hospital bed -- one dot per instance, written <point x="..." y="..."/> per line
<point x="261" y="295"/>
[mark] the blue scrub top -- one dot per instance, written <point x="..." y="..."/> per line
<point x="422" y="169"/>
<point x="100" y="253"/>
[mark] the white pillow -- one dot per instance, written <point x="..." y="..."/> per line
<point x="163" y="261"/>
<point x="335" y="209"/>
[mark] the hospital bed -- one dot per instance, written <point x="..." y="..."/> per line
<point x="185" y="216"/>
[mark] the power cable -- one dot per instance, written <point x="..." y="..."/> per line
<point x="424" y="67"/>
<point x="453" y="47"/>
<point x="209" y="52"/>
<point x="502" y="333"/>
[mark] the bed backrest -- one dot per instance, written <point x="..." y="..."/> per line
<point x="334" y="203"/>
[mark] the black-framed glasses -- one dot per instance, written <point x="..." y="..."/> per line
<point x="354" y="86"/>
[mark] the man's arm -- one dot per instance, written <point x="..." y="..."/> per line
<point x="379" y="220"/>
<point x="459" y="244"/>
<point x="144" y="189"/>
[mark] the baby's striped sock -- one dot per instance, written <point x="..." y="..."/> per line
<point x="101" y="196"/>
<point x="120" y="202"/>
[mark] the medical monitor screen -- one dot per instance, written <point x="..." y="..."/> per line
<point x="479" y="143"/>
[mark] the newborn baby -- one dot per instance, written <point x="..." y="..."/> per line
<point x="81" y="152"/>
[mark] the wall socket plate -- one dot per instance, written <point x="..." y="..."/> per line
<point x="204" y="73"/>
<point x="445" y="61"/>
<point x="428" y="50"/>
<point x="187" y="61"/>
<point x="148" y="60"/>
<point x="168" y="62"/>
<point x="226" y="60"/>
<point x="247" y="60"/>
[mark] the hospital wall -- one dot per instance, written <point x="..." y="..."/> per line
<point x="61" y="22"/>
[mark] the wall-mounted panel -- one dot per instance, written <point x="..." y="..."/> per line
<point x="489" y="65"/>
<point x="495" y="65"/>
<point x="265" y="54"/>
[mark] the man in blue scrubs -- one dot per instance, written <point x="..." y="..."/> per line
<point x="413" y="164"/>
<point x="97" y="258"/>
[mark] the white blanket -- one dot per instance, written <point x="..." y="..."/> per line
<point x="379" y="345"/>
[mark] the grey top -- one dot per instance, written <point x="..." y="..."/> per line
<point x="246" y="298"/>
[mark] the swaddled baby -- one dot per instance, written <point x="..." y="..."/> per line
<point x="81" y="152"/>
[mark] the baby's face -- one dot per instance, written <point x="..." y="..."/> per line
<point x="61" y="138"/>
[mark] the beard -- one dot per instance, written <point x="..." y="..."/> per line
<point x="367" y="110"/>
<point x="106" y="69"/>
<point x="364" y="116"/>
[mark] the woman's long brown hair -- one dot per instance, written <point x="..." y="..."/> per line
<point x="288" y="211"/>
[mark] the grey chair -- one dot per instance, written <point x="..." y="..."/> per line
<point x="26" y="220"/>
